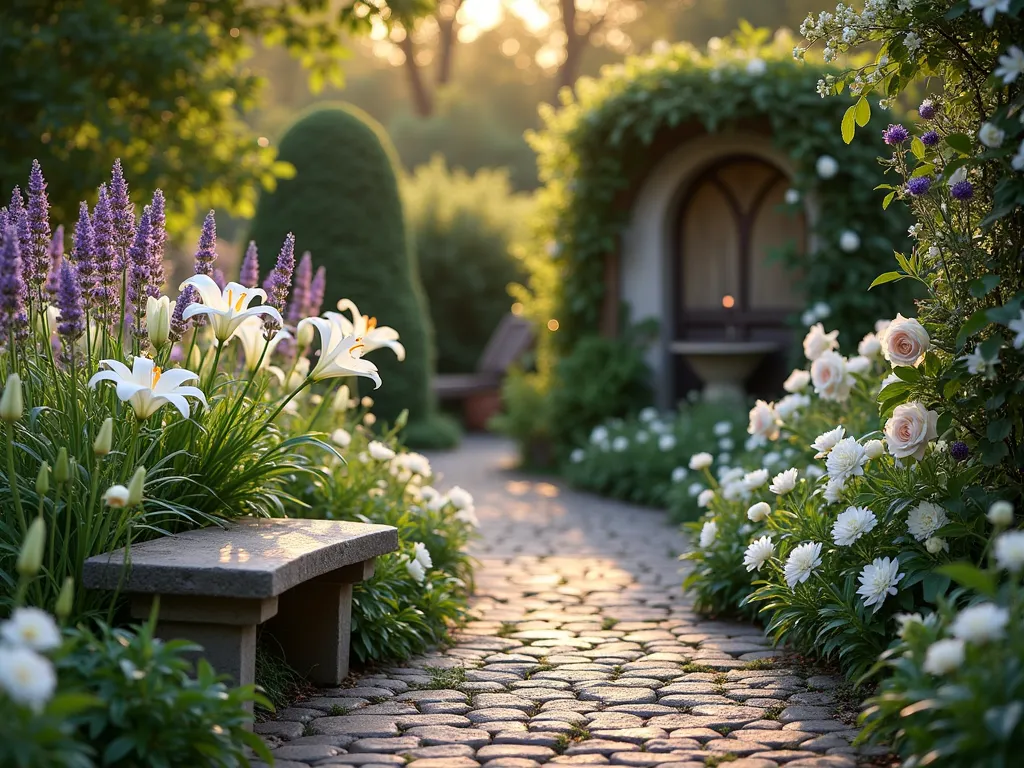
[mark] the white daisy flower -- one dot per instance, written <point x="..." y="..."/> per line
<point x="851" y="524"/>
<point x="925" y="519"/>
<point x="26" y="677"/>
<point x="878" y="580"/>
<point x="784" y="482"/>
<point x="801" y="563"/>
<point x="758" y="553"/>
<point x="31" y="628"/>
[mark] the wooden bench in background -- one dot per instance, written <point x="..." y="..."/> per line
<point x="480" y="392"/>
<point x="216" y="585"/>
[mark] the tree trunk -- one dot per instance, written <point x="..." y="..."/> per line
<point x="569" y="70"/>
<point x="446" y="40"/>
<point x="422" y="101"/>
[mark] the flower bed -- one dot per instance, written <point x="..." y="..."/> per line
<point x="127" y="415"/>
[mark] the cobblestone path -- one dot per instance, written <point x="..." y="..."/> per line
<point x="584" y="652"/>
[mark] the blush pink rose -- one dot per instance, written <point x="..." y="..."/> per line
<point x="905" y="341"/>
<point x="909" y="430"/>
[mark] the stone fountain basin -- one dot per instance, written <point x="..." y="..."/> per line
<point x="723" y="366"/>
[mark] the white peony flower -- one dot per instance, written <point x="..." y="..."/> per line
<point x="26" y="677"/>
<point x="763" y="421"/>
<point x="468" y="516"/>
<point x="379" y="451"/>
<point x="705" y="498"/>
<point x="846" y="459"/>
<point x="991" y="135"/>
<point x="981" y="623"/>
<point x="798" y="380"/>
<point x="909" y="430"/>
<point x="421" y="555"/>
<point x="415" y="570"/>
<point x="826" y="167"/>
<point x="1011" y="66"/>
<point x="755" y="479"/>
<point x="708" y="534"/>
<point x="116" y="496"/>
<point x="907" y="620"/>
<point x="758" y="553"/>
<point x="817" y="342"/>
<point x="851" y="524"/>
<point x="869" y="346"/>
<point x="666" y="442"/>
<point x="801" y="563"/>
<point x="31" y="628"/>
<point x="849" y="241"/>
<point x="788" y="408"/>
<point x="878" y="580"/>
<point x="831" y="379"/>
<point x="784" y="482"/>
<point x="341" y="438"/>
<point x="1009" y="551"/>
<point x="858" y="365"/>
<point x="826" y="441"/>
<point x="904" y="341"/>
<point x="833" y="490"/>
<point x="759" y="512"/>
<point x="936" y="544"/>
<point x="925" y="519"/>
<point x="701" y="460"/>
<point x="944" y="656"/>
<point x="1000" y="513"/>
<point x="874" y="448"/>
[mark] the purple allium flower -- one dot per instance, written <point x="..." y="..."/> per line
<point x="962" y="190"/>
<point x="927" y="109"/>
<point x="12" y="285"/>
<point x="249" y="274"/>
<point x="82" y="255"/>
<point x="959" y="450"/>
<point x="930" y="138"/>
<point x="139" y="268"/>
<point x="316" y="292"/>
<point x="279" y="282"/>
<point x="919" y="185"/>
<point x="37" y="260"/>
<point x="207" y="252"/>
<point x="123" y="210"/>
<point x="219" y="278"/>
<point x="71" y="322"/>
<point x="56" y="259"/>
<point x="158" y="243"/>
<point x="106" y="296"/>
<point x="179" y="326"/>
<point x="298" y="308"/>
<point x="895" y="134"/>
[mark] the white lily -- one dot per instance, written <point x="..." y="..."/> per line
<point x="147" y="389"/>
<point x="340" y="353"/>
<point x="226" y="309"/>
<point x="250" y="335"/>
<point x="365" y="327"/>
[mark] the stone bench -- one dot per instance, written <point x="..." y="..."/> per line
<point x="215" y="585"/>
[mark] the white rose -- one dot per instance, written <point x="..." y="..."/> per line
<point x="909" y="430"/>
<point x="759" y="512"/>
<point x="869" y="346"/>
<point x="788" y="406"/>
<point x="830" y="378"/>
<point x="904" y="341"/>
<point x="797" y="381"/>
<point x="874" y="448"/>
<point x="858" y="364"/>
<point x="817" y="342"/>
<point x="763" y="421"/>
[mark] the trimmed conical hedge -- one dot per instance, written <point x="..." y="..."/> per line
<point x="343" y="205"/>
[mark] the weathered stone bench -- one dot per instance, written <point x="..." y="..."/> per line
<point x="216" y="585"/>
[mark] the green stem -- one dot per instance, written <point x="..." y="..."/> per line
<point x="12" y="479"/>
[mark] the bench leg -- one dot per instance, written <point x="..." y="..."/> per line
<point x="230" y="649"/>
<point x="314" y="624"/>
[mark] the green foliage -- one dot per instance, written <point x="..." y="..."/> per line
<point x="465" y="228"/>
<point x="438" y="432"/>
<point x="526" y="416"/>
<point x="343" y="205"/>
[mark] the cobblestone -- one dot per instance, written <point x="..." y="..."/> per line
<point x="595" y="671"/>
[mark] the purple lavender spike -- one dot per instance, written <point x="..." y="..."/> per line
<point x="179" y="326"/>
<point x="139" y="268"/>
<point x="17" y="217"/>
<point x="71" y="322"/>
<point x="279" y="281"/>
<point x="37" y="259"/>
<point x="249" y="275"/>
<point x="122" y="208"/>
<point x="299" y="305"/>
<point x="106" y="297"/>
<point x="56" y="259"/>
<point x="82" y="255"/>
<point x="207" y="252"/>
<point x="12" y="286"/>
<point x="3" y="219"/>
<point x="219" y="278"/>
<point x="316" y="292"/>
<point x="158" y="245"/>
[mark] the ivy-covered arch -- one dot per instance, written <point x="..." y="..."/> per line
<point x="596" y="149"/>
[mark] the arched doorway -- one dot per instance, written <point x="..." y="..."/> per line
<point x="726" y="287"/>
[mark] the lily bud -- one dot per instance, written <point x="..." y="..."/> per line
<point x="105" y="439"/>
<point x="12" y="404"/>
<point x="30" y="559"/>
<point x="66" y="599"/>
<point x="135" y="487"/>
<point x="304" y="336"/>
<point x="195" y="358"/>
<point x="341" y="398"/>
<point x="62" y="467"/>
<point x="402" y="419"/>
<point x="158" y="321"/>
<point x="43" y="479"/>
